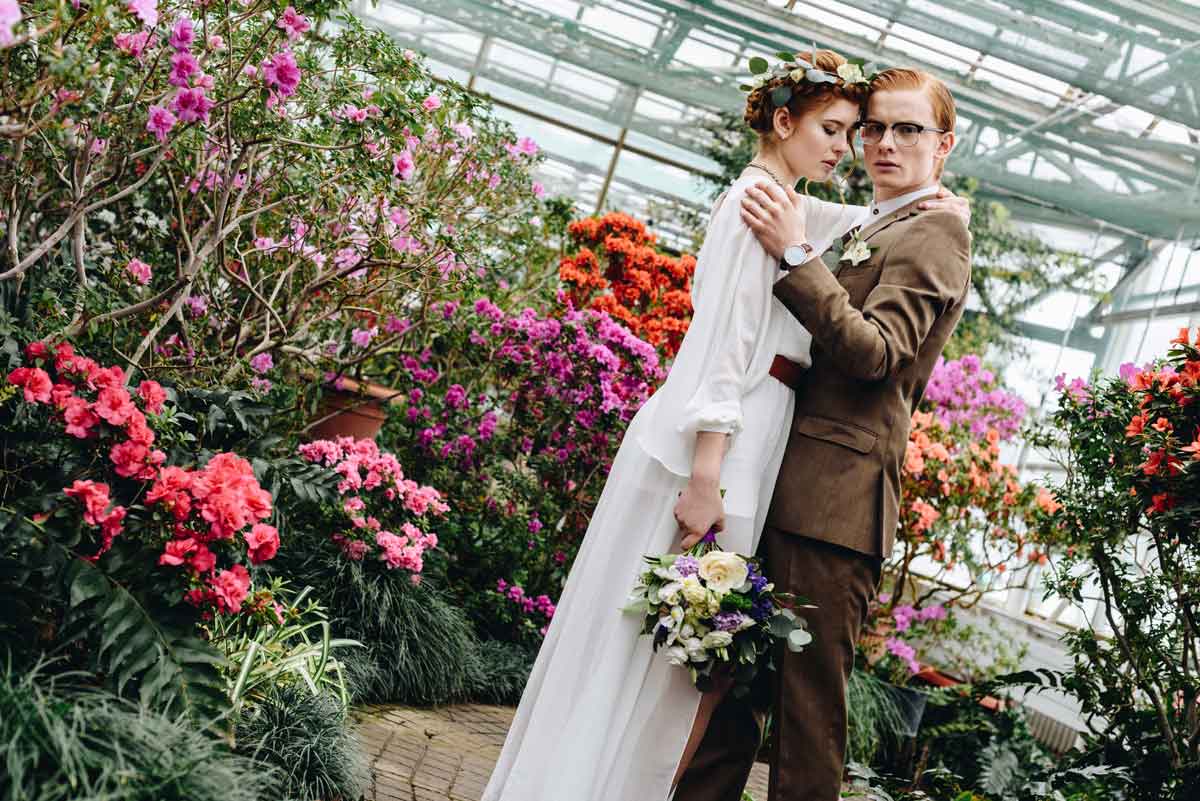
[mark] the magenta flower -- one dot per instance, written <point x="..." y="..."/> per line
<point x="132" y="44"/>
<point x="182" y="35"/>
<point x="139" y="270"/>
<point x="145" y="10"/>
<point x="431" y="103"/>
<point x="183" y="67"/>
<point x="216" y="42"/>
<point x="197" y="305"/>
<point x="159" y="122"/>
<point x="10" y="15"/>
<point x="463" y="130"/>
<point x="192" y="105"/>
<point x="282" y="73"/>
<point x="362" y="336"/>
<point x="539" y="191"/>
<point x="293" y="23"/>
<point x="262" y="362"/>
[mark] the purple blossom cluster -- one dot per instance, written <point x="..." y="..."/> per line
<point x="962" y="393"/>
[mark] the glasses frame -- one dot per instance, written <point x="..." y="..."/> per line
<point x="858" y="126"/>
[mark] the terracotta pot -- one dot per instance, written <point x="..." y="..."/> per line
<point x="357" y="410"/>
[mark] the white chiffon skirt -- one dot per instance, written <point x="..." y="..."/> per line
<point x="603" y="718"/>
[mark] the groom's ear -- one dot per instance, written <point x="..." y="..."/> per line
<point x="946" y="145"/>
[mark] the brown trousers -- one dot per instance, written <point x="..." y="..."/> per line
<point x="809" y="693"/>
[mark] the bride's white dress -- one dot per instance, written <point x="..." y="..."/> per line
<point x="603" y="718"/>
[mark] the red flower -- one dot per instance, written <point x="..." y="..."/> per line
<point x="1136" y="426"/>
<point x="1163" y="426"/>
<point x="60" y="393"/>
<point x="176" y="551"/>
<point x="1161" y="503"/>
<point x="112" y="525"/>
<point x="35" y="381"/>
<point x="231" y="588"/>
<point x="1160" y="460"/>
<point x="263" y="542"/>
<point x="152" y="395"/>
<point x="36" y="350"/>
<point x="107" y="377"/>
<point x="229" y="496"/>
<point x="1183" y="338"/>
<point x="134" y="460"/>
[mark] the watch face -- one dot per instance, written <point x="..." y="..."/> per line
<point x="795" y="255"/>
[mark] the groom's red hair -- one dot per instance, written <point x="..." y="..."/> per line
<point x="945" y="115"/>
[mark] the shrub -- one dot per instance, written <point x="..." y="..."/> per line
<point x="306" y="739"/>
<point x="67" y="743"/>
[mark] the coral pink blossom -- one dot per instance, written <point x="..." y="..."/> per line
<point x="228" y="495"/>
<point x="230" y="588"/>
<point x="263" y="542"/>
<point x="94" y="497"/>
<point x="34" y="381"/>
<point x="79" y="417"/>
<point x="152" y="395"/>
<point x="114" y="406"/>
<point x="171" y="489"/>
<point x="176" y="551"/>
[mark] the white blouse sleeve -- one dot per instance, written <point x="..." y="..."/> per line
<point x="828" y="222"/>
<point x="731" y="297"/>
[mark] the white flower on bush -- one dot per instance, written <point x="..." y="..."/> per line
<point x="723" y="571"/>
<point x="717" y="639"/>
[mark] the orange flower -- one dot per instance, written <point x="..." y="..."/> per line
<point x="1161" y="461"/>
<point x="1136" y="426"/>
<point x="1194" y="449"/>
<point x="993" y="436"/>
<point x="1184" y="336"/>
<point x="1163" y="426"/>
<point x="1046" y="501"/>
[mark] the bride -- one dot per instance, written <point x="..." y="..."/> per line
<point x="602" y="717"/>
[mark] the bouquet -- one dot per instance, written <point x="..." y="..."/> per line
<point x="715" y="613"/>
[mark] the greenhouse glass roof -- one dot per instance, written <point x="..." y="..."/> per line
<point x="1081" y="117"/>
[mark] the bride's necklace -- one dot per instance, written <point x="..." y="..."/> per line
<point x="767" y="170"/>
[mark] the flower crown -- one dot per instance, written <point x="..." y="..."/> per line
<point x="798" y="68"/>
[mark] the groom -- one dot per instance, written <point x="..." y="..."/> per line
<point x="878" y="325"/>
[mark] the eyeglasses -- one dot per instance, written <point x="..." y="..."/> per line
<point x="905" y="133"/>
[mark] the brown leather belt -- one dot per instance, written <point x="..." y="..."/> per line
<point x="787" y="371"/>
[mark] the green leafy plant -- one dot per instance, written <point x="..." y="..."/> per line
<point x="61" y="740"/>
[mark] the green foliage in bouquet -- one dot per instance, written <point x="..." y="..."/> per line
<point x="715" y="614"/>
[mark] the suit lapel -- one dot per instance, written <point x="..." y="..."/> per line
<point x="901" y="213"/>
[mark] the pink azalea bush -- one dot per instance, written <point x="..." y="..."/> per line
<point x="517" y="416"/>
<point x="378" y="505"/>
<point x="199" y="526"/>
<point x="226" y="194"/>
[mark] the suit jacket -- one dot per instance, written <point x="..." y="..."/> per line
<point x="878" y="328"/>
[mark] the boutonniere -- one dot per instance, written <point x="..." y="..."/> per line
<point x="856" y="251"/>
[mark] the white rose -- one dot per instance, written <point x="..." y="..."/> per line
<point x="717" y="639"/>
<point x="693" y="591"/>
<point x="677" y="655"/>
<point x="851" y="73"/>
<point x="723" y="571"/>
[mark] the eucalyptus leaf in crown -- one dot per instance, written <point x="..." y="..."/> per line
<point x="797" y="67"/>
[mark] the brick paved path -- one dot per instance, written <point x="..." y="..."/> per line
<point x="447" y="753"/>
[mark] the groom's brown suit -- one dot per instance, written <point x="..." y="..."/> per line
<point x="878" y="327"/>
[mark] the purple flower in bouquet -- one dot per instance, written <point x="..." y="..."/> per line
<point x="728" y="621"/>
<point x="687" y="566"/>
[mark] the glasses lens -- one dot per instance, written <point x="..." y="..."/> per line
<point x="906" y="134"/>
<point x="871" y="131"/>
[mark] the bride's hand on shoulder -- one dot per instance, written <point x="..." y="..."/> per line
<point x="775" y="215"/>
<point x="945" y="199"/>
<point x="699" y="509"/>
